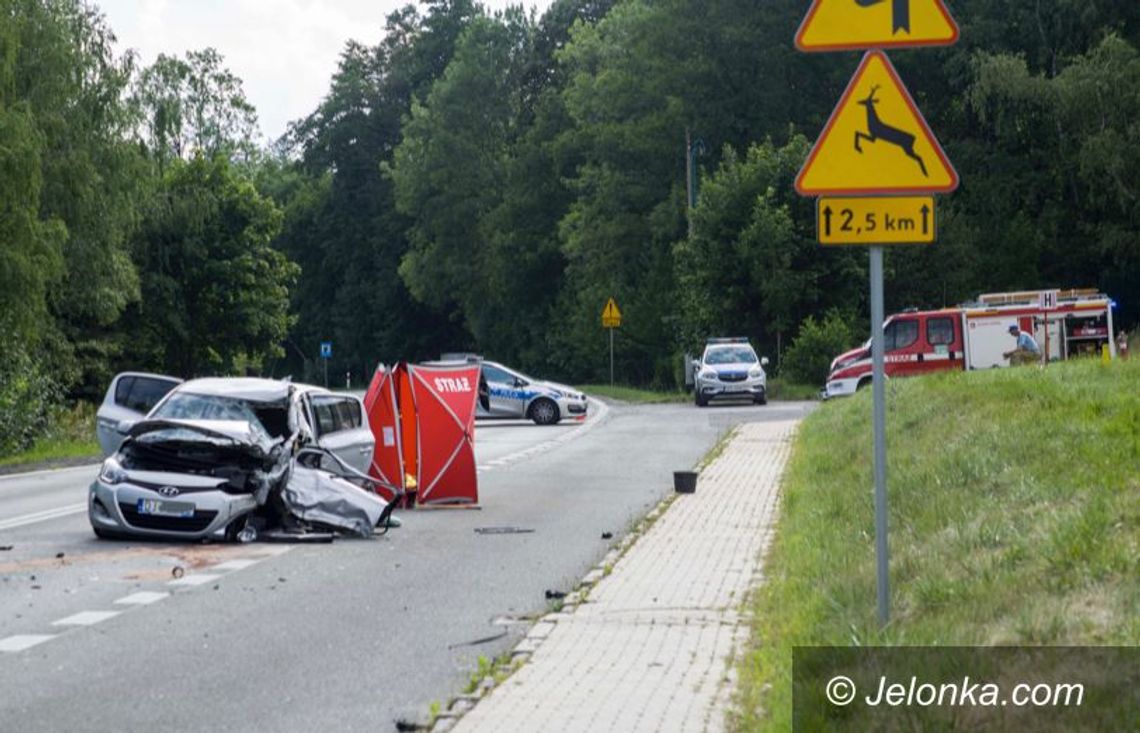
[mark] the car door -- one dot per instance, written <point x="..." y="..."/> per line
<point x="507" y="398"/>
<point x="901" y="346"/>
<point x="339" y="423"/>
<point x="131" y="396"/>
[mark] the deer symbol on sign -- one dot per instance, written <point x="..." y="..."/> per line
<point x="879" y="130"/>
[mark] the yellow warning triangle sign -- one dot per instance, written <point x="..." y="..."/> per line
<point x="611" y="315"/>
<point x="876" y="141"/>
<point x="845" y="25"/>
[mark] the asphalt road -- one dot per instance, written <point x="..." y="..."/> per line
<point x="348" y="636"/>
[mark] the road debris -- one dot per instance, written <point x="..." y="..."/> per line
<point x="177" y="571"/>
<point x="607" y="535"/>
<point x="554" y="594"/>
<point x="502" y="530"/>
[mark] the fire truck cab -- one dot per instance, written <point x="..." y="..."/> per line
<point x="1065" y="323"/>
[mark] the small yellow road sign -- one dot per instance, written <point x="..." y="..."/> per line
<point x="611" y="315"/>
<point x="846" y="25"/>
<point x="877" y="220"/>
<point x="876" y="141"/>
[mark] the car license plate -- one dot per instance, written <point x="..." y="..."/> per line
<point x="736" y="388"/>
<point x="166" y="508"/>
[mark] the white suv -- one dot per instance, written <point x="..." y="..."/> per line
<point x="729" y="369"/>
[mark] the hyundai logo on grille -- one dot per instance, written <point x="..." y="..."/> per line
<point x="169" y="491"/>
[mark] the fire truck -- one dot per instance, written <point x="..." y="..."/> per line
<point x="1065" y="323"/>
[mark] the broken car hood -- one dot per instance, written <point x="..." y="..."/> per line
<point x="237" y="432"/>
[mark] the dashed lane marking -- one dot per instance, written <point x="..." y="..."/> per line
<point x="235" y="565"/>
<point x="600" y="412"/>
<point x="86" y="618"/>
<point x="43" y="516"/>
<point x="142" y="598"/>
<point x="195" y="579"/>
<point x="20" y="642"/>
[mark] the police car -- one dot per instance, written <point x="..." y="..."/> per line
<point x="508" y="394"/>
<point x="729" y="369"/>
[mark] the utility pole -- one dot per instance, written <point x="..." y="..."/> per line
<point x="693" y="148"/>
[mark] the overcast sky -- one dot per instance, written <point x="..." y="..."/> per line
<point x="285" y="51"/>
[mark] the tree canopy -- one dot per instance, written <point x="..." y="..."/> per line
<point x="486" y="181"/>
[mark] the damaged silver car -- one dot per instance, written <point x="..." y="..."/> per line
<point x="238" y="459"/>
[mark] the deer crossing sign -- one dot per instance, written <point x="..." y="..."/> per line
<point x="876" y="142"/>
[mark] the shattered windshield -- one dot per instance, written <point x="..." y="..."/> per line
<point x="266" y="421"/>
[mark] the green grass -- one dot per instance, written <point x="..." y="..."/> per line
<point x="1014" y="519"/>
<point x="72" y="435"/>
<point x="779" y="389"/>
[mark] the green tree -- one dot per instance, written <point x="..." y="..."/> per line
<point x="341" y="222"/>
<point x="61" y="71"/>
<point x="215" y="293"/>
<point x="194" y="106"/>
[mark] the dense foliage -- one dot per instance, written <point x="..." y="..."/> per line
<point x="485" y="182"/>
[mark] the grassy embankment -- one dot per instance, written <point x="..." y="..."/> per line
<point x="71" y="436"/>
<point x="1014" y="519"/>
<point x="777" y="390"/>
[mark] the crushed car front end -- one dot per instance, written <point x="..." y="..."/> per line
<point x="186" y="480"/>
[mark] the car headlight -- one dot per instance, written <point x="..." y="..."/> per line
<point x="556" y="394"/>
<point x="756" y="373"/>
<point x="112" y="473"/>
<point x="707" y="374"/>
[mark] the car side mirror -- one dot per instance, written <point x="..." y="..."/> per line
<point x="520" y="382"/>
<point x="124" y="426"/>
<point x="763" y="361"/>
<point x="696" y="364"/>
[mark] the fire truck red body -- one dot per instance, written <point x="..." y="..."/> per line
<point x="1065" y="323"/>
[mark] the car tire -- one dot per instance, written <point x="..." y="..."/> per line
<point x="761" y="399"/>
<point x="701" y="401"/>
<point x="543" y="412"/>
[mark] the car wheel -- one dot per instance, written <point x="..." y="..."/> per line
<point x="761" y="399"/>
<point x="543" y="412"/>
<point x="701" y="401"/>
<point x="863" y="384"/>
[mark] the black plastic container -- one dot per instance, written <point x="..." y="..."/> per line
<point x="685" y="482"/>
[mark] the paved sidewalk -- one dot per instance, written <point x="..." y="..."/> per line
<point x="651" y="646"/>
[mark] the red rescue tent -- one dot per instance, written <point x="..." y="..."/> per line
<point x="384" y="419"/>
<point x="423" y="419"/>
<point x="445" y="398"/>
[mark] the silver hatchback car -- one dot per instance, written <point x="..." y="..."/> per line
<point x="212" y="451"/>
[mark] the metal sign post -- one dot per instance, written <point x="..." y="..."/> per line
<point x="611" y="319"/>
<point x="873" y="167"/>
<point x="326" y="354"/>
<point x="611" y="357"/>
<point x="879" y="428"/>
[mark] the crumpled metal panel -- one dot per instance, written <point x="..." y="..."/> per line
<point x="317" y="496"/>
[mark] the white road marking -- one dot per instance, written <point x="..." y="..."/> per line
<point x="86" y="618"/>
<point x="234" y="565"/>
<point x="46" y="471"/>
<point x="43" y="516"/>
<point x="20" y="642"/>
<point x="600" y="411"/>
<point x="142" y="598"/>
<point x="195" y="579"/>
